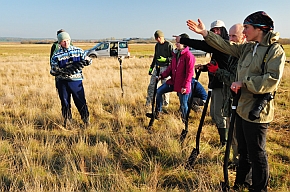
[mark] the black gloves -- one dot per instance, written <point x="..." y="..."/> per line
<point x="74" y="67"/>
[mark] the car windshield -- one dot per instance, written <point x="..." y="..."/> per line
<point x="97" y="45"/>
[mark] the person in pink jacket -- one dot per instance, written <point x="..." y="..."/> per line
<point x="181" y="72"/>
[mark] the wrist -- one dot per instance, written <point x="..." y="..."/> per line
<point x="204" y="33"/>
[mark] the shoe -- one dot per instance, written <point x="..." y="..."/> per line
<point x="86" y="122"/>
<point x="150" y="115"/>
<point x="87" y="125"/>
<point x="241" y="187"/>
<point x="183" y="120"/>
<point x="232" y="166"/>
<point x="67" y="123"/>
<point x="223" y="144"/>
<point x="165" y="104"/>
<point x="223" y="133"/>
<point x="148" y="103"/>
<point x="196" y="108"/>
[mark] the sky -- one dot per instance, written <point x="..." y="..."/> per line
<point x="100" y="19"/>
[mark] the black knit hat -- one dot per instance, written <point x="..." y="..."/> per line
<point x="260" y="19"/>
<point x="184" y="35"/>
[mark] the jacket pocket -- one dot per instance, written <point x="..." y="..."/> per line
<point x="247" y="61"/>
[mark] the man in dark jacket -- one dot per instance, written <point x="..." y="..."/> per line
<point x="162" y="58"/>
<point x="228" y="76"/>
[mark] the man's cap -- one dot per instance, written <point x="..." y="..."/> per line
<point x="62" y="36"/>
<point x="217" y="23"/>
<point x="158" y="33"/>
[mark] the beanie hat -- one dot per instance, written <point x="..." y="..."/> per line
<point x="62" y="36"/>
<point x="217" y="23"/>
<point x="184" y="35"/>
<point x="158" y="33"/>
<point x="260" y="19"/>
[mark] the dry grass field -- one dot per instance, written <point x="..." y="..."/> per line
<point x="115" y="153"/>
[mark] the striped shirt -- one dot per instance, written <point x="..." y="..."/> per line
<point x="63" y="57"/>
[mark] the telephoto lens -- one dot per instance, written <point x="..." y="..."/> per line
<point x="259" y="106"/>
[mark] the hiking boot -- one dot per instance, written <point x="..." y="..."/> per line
<point x="223" y="133"/>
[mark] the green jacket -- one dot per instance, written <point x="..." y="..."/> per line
<point x="249" y="71"/>
<point x="227" y="76"/>
<point x="164" y="50"/>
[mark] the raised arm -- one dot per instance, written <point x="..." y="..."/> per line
<point x="197" y="27"/>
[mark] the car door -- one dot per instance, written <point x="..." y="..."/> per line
<point x="103" y="50"/>
<point x="123" y="49"/>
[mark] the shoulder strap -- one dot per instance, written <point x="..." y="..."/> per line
<point x="265" y="58"/>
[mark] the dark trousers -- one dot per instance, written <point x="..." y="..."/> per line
<point x="66" y="89"/>
<point x="251" y="139"/>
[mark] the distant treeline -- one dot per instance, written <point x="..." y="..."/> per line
<point x="50" y="41"/>
<point x="86" y="41"/>
<point x="283" y="41"/>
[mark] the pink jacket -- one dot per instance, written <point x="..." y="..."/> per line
<point x="181" y="70"/>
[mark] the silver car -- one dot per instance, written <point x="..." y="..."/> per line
<point x="197" y="53"/>
<point x="110" y="48"/>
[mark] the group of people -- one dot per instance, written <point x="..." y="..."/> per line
<point x="175" y="69"/>
<point x="247" y="60"/>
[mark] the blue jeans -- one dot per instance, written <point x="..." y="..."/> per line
<point x="251" y="139"/>
<point x="74" y="89"/>
<point x="165" y="88"/>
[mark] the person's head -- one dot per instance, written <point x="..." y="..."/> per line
<point x="59" y="31"/>
<point x="257" y="25"/>
<point x="236" y="33"/>
<point x="181" y="46"/>
<point x="63" y="39"/>
<point x="159" y="36"/>
<point x="219" y="28"/>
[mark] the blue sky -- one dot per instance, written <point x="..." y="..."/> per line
<point x="98" y="19"/>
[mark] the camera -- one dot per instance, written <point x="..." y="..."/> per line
<point x="261" y="102"/>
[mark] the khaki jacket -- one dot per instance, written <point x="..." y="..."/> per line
<point x="249" y="71"/>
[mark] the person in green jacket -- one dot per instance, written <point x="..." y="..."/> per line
<point x="256" y="79"/>
<point x="162" y="59"/>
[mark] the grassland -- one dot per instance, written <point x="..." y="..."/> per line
<point x="116" y="153"/>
